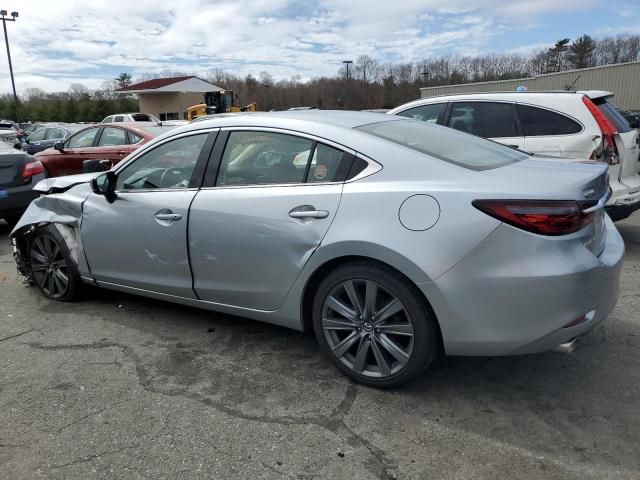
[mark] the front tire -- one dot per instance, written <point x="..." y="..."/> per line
<point x="374" y="325"/>
<point x="54" y="271"/>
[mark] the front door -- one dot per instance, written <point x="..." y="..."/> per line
<point x="253" y="230"/>
<point x="140" y="239"/>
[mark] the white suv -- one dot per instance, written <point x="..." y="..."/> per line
<point x="565" y="124"/>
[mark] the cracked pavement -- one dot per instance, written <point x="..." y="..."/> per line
<point x="124" y="387"/>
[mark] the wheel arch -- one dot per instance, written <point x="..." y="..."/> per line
<point x="324" y="269"/>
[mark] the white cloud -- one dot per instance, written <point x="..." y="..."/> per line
<point x="73" y="41"/>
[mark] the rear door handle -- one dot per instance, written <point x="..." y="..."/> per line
<point x="171" y="217"/>
<point x="308" y="212"/>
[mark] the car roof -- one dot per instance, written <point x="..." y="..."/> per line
<point x="339" y="118"/>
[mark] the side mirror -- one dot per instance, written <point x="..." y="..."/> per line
<point x="105" y="184"/>
<point x="59" y="146"/>
<point x="17" y="146"/>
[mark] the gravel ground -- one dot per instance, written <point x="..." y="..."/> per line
<point x="118" y="386"/>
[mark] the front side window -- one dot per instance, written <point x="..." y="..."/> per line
<point x="538" y="122"/>
<point x="83" y="139"/>
<point x="426" y="113"/>
<point x="484" y="119"/>
<point x="112" y="136"/>
<point x="38" y="135"/>
<point x="55" y="134"/>
<point x="168" y="166"/>
<point x="253" y="158"/>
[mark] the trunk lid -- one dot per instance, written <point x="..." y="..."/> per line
<point x="11" y="166"/>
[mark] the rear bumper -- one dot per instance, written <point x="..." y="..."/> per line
<point x="622" y="203"/>
<point x="516" y="292"/>
<point x="18" y="198"/>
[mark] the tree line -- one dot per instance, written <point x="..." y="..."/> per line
<point x="369" y="84"/>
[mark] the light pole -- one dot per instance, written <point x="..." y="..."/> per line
<point x="425" y="75"/>
<point x="5" y="19"/>
<point x="346" y="64"/>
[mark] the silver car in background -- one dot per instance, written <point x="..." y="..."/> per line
<point x="391" y="239"/>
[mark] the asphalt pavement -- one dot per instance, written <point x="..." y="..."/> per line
<point x="123" y="387"/>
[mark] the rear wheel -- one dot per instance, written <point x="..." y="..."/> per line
<point x="374" y="325"/>
<point x="54" y="271"/>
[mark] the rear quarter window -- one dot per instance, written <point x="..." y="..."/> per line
<point x="541" y="122"/>
<point x="445" y="144"/>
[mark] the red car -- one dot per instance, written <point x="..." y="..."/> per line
<point x="98" y="142"/>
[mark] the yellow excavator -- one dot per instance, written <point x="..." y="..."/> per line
<point x="221" y="101"/>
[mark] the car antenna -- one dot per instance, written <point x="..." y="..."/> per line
<point x="569" y="87"/>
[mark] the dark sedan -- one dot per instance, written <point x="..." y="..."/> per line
<point x="19" y="172"/>
<point x="47" y="136"/>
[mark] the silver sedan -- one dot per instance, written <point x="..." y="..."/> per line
<point x="391" y="239"/>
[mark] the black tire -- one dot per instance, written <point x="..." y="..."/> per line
<point x="50" y="263"/>
<point x="420" y="349"/>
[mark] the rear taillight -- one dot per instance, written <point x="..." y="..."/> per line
<point x="608" y="129"/>
<point x="32" y="168"/>
<point x="545" y="217"/>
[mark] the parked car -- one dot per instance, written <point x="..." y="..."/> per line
<point x="391" y="239"/>
<point x="101" y="142"/>
<point x="130" y="117"/>
<point x="9" y="130"/>
<point x="47" y="136"/>
<point x="631" y="117"/>
<point x="29" y="129"/>
<point x="19" y="172"/>
<point x="572" y="124"/>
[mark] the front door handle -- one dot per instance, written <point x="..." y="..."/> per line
<point x="169" y="217"/>
<point x="307" y="211"/>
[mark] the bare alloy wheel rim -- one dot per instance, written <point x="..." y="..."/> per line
<point x="49" y="267"/>
<point x="367" y="328"/>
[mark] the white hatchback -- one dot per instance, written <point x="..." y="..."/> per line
<point x="579" y="125"/>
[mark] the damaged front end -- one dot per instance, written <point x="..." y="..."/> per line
<point x="61" y="205"/>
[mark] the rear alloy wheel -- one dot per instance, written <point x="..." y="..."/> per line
<point x="54" y="272"/>
<point x="374" y="325"/>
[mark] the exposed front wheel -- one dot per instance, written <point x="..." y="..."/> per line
<point x="374" y="325"/>
<point x="53" y="269"/>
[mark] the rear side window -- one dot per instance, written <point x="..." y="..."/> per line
<point x="484" y="119"/>
<point x="538" y="122"/>
<point x="118" y="118"/>
<point x="426" y="113"/>
<point x="445" y="144"/>
<point x="621" y="123"/>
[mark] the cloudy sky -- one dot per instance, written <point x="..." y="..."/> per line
<point x="57" y="43"/>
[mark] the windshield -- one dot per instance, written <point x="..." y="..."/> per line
<point x="446" y="144"/>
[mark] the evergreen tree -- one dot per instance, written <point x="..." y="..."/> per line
<point x="581" y="52"/>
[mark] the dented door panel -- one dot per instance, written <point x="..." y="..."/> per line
<point x="245" y="248"/>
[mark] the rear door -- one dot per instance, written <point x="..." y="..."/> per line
<point x="627" y="143"/>
<point x="494" y="120"/>
<point x="112" y="145"/>
<point x="548" y="132"/>
<point x="261" y="214"/>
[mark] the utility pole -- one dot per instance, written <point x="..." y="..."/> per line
<point x="347" y="63"/>
<point x="5" y="19"/>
